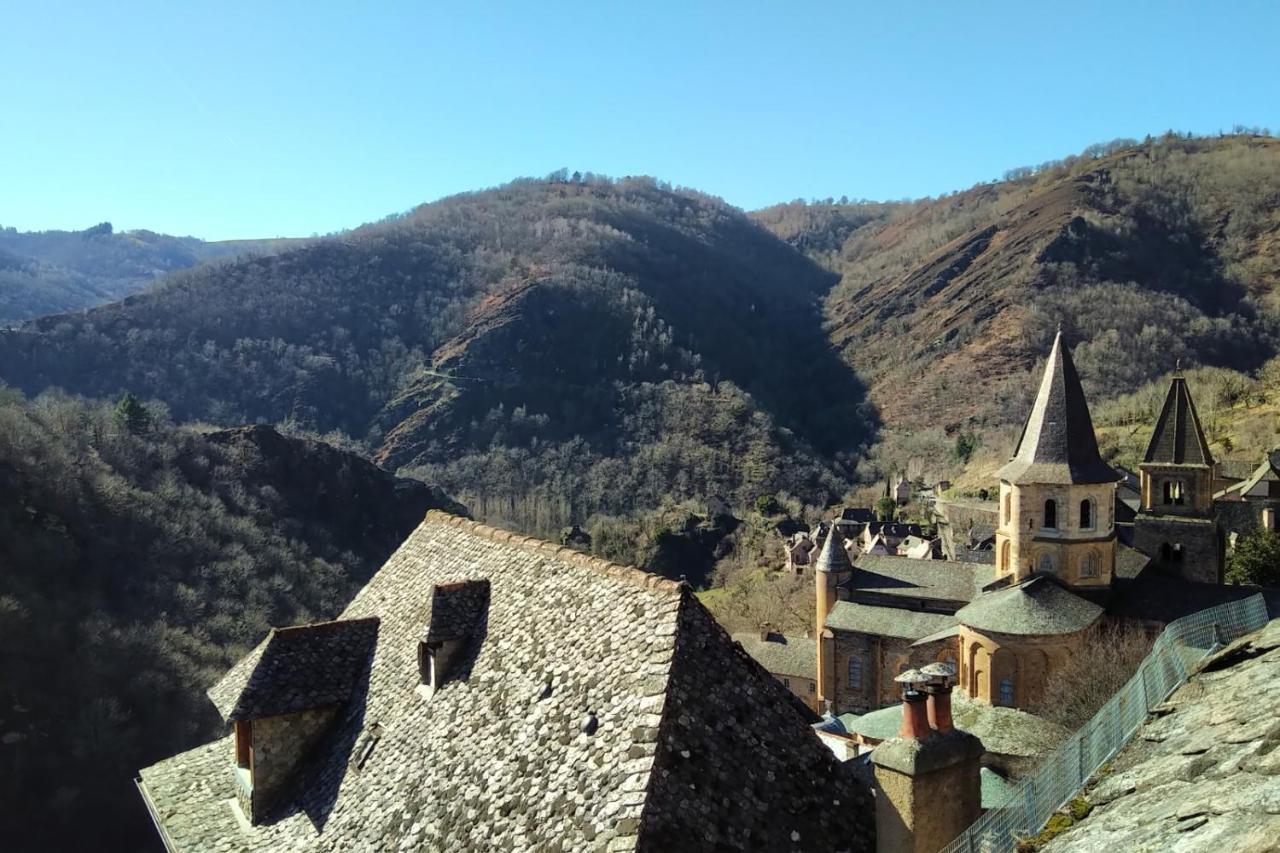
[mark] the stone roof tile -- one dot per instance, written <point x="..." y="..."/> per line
<point x="886" y="621"/>
<point x="1178" y="438"/>
<point x="1058" y="445"/>
<point x="1035" y="607"/>
<point x="695" y="747"/>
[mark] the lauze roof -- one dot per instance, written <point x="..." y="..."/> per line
<point x="1058" y="445"/>
<point x="695" y="746"/>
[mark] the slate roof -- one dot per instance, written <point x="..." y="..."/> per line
<point x="782" y="655"/>
<point x="860" y="515"/>
<point x="833" y="557"/>
<point x="1162" y="598"/>
<point x="456" y="609"/>
<point x="1268" y="470"/>
<point x="1201" y="775"/>
<point x="1036" y="606"/>
<point x="1178" y="438"/>
<point x="1003" y="731"/>
<point x="296" y="669"/>
<point x="1058" y="445"/>
<point x="886" y="621"/>
<point x="944" y="581"/>
<point x="697" y="747"/>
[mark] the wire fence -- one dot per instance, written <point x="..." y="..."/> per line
<point x="1180" y="646"/>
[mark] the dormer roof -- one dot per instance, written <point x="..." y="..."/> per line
<point x="456" y="610"/>
<point x="1178" y="438"/>
<point x="1058" y="445"/>
<point x="297" y="669"/>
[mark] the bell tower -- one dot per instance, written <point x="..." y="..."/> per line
<point x="1175" y="526"/>
<point x="1057" y="496"/>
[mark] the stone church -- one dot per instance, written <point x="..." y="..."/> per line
<point x="1063" y="563"/>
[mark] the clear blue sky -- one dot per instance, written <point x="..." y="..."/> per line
<point x="263" y="119"/>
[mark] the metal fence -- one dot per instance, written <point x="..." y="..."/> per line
<point x="1181" y="645"/>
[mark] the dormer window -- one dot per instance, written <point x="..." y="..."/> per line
<point x="459" y="612"/>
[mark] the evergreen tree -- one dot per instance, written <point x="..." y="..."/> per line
<point x="132" y="415"/>
<point x="1256" y="559"/>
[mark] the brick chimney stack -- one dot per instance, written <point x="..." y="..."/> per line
<point x="928" y="778"/>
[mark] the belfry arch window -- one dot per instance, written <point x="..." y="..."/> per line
<point x="1089" y="565"/>
<point x="1050" y="513"/>
<point x="1086" y="514"/>
<point x="1046" y="563"/>
<point x="1173" y="493"/>
<point x="1005" y="550"/>
<point x="1008" y="507"/>
<point x="1006" y="692"/>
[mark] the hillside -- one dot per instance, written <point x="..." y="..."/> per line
<point x="135" y="569"/>
<point x="546" y="351"/>
<point x="49" y="272"/>
<point x="1148" y="254"/>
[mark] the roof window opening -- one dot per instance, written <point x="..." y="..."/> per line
<point x="1051" y="513"/>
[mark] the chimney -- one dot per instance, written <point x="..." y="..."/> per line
<point x="915" y="718"/>
<point x="928" y="778"/>
<point x="938" y="690"/>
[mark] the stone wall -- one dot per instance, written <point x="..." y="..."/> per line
<point x="882" y="659"/>
<point x="279" y="744"/>
<point x="1201" y="554"/>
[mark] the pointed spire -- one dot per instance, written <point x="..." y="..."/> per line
<point x="834" y="557"/>
<point x="1058" y="445"/>
<point x="1178" y="438"/>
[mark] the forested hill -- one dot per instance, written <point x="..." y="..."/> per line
<point x="48" y="272"/>
<point x="545" y="351"/>
<point x="1147" y="252"/>
<point x="138" y="561"/>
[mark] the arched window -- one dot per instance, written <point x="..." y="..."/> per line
<point x="1173" y="492"/>
<point x="1046" y="564"/>
<point x="1006" y="692"/>
<point x="855" y="673"/>
<point x="1086" y="514"/>
<point x="1005" y="549"/>
<point x="1089" y="565"/>
<point x="1008" y="506"/>
<point x="1050" y="513"/>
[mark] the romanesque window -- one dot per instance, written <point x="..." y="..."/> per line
<point x="1008" y="507"/>
<point x="1173" y="492"/>
<point x="1004" y="556"/>
<point x="786" y="682"/>
<point x="1089" y="565"/>
<point x="1086" y="514"/>
<point x="855" y="673"/>
<point x="1046" y="564"/>
<point x="1051" y="513"/>
<point x="1006" y="692"/>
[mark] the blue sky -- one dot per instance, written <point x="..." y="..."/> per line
<point x="267" y="119"/>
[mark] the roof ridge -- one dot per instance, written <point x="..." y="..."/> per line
<point x="627" y="574"/>
<point x="318" y="627"/>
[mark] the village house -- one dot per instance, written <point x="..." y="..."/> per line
<point x="487" y="691"/>
<point x="792" y="660"/>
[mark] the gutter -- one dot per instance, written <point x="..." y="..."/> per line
<point x="155" y="816"/>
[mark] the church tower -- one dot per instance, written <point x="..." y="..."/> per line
<point x="1175" y="526"/>
<point x="1057" y="496"/>
<point x="830" y="571"/>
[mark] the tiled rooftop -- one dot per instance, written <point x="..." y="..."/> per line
<point x="936" y="580"/>
<point x="886" y="621"/>
<point x="1035" y="607"/>
<point x="696" y="747"/>
<point x="782" y="655"/>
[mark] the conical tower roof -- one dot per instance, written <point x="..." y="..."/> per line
<point x="1058" y="445"/>
<point x="1178" y="438"/>
<point x="834" y="557"/>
